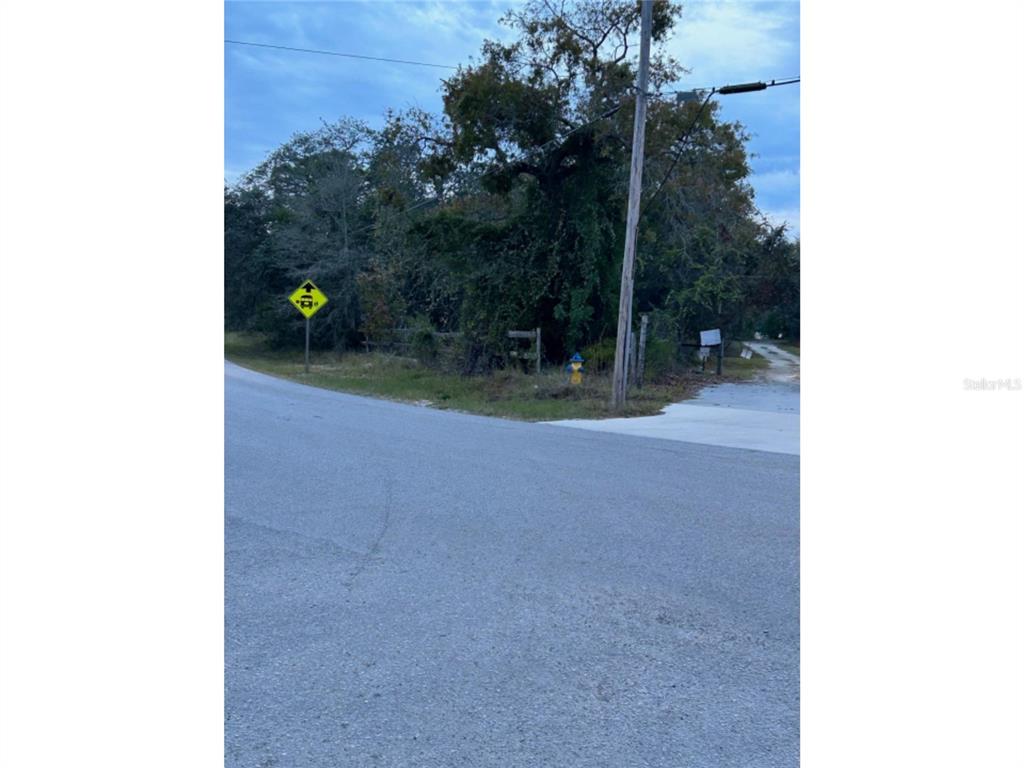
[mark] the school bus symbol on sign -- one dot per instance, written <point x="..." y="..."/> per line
<point x="308" y="299"/>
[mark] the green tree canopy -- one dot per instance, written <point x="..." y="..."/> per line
<point x="508" y="209"/>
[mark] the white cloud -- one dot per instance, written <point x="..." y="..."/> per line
<point x="779" y="216"/>
<point x="720" y="41"/>
<point x="232" y="175"/>
<point x="774" y="182"/>
<point x="723" y="42"/>
<point x="439" y="32"/>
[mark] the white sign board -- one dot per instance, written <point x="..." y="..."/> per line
<point x="710" y="338"/>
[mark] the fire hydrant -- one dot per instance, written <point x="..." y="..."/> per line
<point x="575" y="368"/>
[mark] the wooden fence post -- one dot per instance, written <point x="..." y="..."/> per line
<point x="538" y="351"/>
<point x="642" y="354"/>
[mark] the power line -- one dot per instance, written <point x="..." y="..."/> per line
<point x="603" y="116"/>
<point x="759" y="85"/>
<point x="683" y="137"/>
<point x="410" y="209"/>
<point x="337" y="53"/>
<point x="769" y="84"/>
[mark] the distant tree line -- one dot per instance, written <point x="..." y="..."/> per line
<point x="508" y="210"/>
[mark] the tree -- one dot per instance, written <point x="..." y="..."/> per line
<point x="508" y="209"/>
<point x="313" y="187"/>
<point x="248" y="269"/>
<point x="543" y="120"/>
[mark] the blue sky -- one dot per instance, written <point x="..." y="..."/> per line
<point x="270" y="94"/>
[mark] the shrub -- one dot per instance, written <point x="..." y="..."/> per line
<point x="422" y="342"/>
<point x="600" y="356"/>
<point x="660" y="359"/>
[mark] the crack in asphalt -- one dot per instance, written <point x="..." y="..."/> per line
<point x="368" y="556"/>
<point x="355" y="553"/>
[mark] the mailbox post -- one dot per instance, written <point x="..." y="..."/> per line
<point x="713" y="338"/>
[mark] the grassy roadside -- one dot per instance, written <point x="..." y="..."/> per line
<point x="792" y="347"/>
<point x="508" y="394"/>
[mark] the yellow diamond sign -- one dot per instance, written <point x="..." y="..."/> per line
<point x="308" y="299"/>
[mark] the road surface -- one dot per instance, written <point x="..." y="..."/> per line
<point x="762" y="415"/>
<point x="413" y="587"/>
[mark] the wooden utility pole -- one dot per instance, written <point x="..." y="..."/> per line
<point x="636" y="173"/>
<point x="631" y="358"/>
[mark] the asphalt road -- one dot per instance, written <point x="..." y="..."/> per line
<point x="412" y="587"/>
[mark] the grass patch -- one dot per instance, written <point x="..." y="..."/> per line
<point x="739" y="368"/>
<point x="793" y="347"/>
<point x="507" y="394"/>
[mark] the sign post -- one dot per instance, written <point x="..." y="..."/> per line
<point x="534" y="336"/>
<point x="308" y="299"/>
